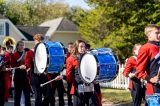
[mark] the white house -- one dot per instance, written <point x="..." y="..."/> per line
<point x="7" y="28"/>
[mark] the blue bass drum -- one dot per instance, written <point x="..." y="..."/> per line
<point x="50" y="57"/>
<point x="153" y="100"/>
<point x="99" y="64"/>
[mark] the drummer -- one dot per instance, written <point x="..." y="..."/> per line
<point x="147" y="66"/>
<point x="83" y="97"/>
<point x="97" y="87"/>
<point x="136" y="87"/>
<point x="69" y="84"/>
<point x="36" y="79"/>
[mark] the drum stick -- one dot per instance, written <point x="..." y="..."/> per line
<point x="158" y="74"/>
<point x="13" y="68"/>
<point x="41" y="85"/>
<point x="9" y="69"/>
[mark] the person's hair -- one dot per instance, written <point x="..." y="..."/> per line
<point x="18" y="43"/>
<point x="135" y="47"/>
<point x="9" y="47"/>
<point x="88" y="46"/>
<point x="70" y="43"/>
<point x="150" y="28"/>
<point x="38" y="37"/>
<point x="75" y="46"/>
<point x="26" y="49"/>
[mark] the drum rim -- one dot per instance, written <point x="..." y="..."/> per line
<point x="35" y="57"/>
<point x="80" y="68"/>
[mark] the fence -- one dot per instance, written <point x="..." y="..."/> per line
<point x="119" y="82"/>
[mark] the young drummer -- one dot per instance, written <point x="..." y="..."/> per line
<point x="80" y="98"/>
<point x="135" y="86"/>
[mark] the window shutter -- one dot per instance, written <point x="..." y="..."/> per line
<point x="7" y="29"/>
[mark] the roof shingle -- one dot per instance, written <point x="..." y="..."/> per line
<point x="30" y="31"/>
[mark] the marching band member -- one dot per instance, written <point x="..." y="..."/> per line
<point x="80" y="97"/>
<point x="21" y="77"/>
<point x="147" y="63"/>
<point x="36" y="79"/>
<point x="69" y="84"/>
<point x="8" y="55"/>
<point x="135" y="86"/>
<point x="2" y="77"/>
<point x="5" y="81"/>
<point x="97" y="87"/>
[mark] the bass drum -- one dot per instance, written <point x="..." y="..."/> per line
<point x="99" y="64"/>
<point x="49" y="57"/>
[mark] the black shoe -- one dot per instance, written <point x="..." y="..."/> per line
<point x="70" y="104"/>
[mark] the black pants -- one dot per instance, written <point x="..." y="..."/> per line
<point x="69" y="85"/>
<point x="137" y="93"/>
<point x="49" y="99"/>
<point x="36" y="80"/>
<point x="22" y="85"/>
<point x="60" y="89"/>
<point x="2" y="89"/>
<point x="82" y="99"/>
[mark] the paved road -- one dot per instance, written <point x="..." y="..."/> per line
<point x="11" y="103"/>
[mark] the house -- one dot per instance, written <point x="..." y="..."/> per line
<point x="7" y="28"/>
<point x="29" y="32"/>
<point x="58" y="30"/>
<point x="62" y="30"/>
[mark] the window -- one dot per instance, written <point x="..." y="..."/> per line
<point x="2" y="29"/>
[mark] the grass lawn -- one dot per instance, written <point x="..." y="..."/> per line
<point x="115" y="95"/>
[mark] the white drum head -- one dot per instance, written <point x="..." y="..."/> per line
<point x="41" y="57"/>
<point x="88" y="68"/>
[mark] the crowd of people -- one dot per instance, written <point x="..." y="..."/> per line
<point x="142" y="68"/>
<point x="27" y="81"/>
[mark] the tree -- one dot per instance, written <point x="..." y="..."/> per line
<point x="34" y="12"/>
<point x="118" y="24"/>
<point x="2" y="7"/>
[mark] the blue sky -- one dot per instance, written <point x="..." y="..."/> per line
<point x="80" y="3"/>
<point x="71" y="3"/>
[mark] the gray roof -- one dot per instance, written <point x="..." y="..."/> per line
<point x="67" y="25"/>
<point x="2" y="17"/>
<point x="30" y="31"/>
<point x="59" y="25"/>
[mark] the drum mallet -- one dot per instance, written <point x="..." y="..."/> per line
<point x="13" y="68"/>
<point x="41" y="85"/>
<point x="158" y="75"/>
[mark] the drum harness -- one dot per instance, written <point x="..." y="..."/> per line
<point x="79" y="84"/>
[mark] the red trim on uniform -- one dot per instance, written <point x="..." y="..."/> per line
<point x="129" y="66"/>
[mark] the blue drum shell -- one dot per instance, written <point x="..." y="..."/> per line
<point x="56" y="57"/>
<point x="107" y="64"/>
